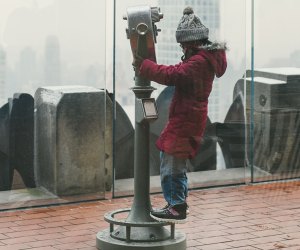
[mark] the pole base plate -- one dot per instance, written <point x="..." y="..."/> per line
<point x="105" y="242"/>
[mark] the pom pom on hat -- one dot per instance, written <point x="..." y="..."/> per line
<point x="190" y="27"/>
<point x="188" y="10"/>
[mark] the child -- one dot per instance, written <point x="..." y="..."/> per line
<point x="193" y="79"/>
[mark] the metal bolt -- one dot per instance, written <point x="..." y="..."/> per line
<point x="142" y="29"/>
<point x="152" y="237"/>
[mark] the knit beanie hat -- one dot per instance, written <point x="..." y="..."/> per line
<point x="190" y="27"/>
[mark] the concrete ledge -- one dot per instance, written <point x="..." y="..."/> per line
<point x="69" y="139"/>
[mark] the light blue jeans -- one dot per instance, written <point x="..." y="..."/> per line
<point x="173" y="178"/>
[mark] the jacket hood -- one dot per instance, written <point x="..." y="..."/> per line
<point x="215" y="53"/>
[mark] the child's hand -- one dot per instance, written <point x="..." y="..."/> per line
<point x="137" y="61"/>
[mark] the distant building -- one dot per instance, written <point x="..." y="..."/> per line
<point x="3" y="96"/>
<point x="169" y="51"/>
<point x="92" y="75"/>
<point x="27" y="67"/>
<point x="52" y="64"/>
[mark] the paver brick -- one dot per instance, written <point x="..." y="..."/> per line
<point x="44" y="248"/>
<point x="3" y="237"/>
<point x="53" y="236"/>
<point x="77" y="233"/>
<point x="241" y="243"/>
<point x="218" y="246"/>
<point x="15" y="247"/>
<point x="18" y="240"/>
<point x="54" y="224"/>
<point x="268" y="239"/>
<point x="25" y="228"/>
<point x="214" y="240"/>
<point x="29" y="222"/>
<point x="31" y="216"/>
<point x="21" y="234"/>
<point x="42" y="243"/>
<point x="77" y="245"/>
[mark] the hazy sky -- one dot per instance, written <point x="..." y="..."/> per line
<point x="80" y="25"/>
<point x="276" y="29"/>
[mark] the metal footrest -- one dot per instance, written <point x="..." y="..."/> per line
<point x="110" y="218"/>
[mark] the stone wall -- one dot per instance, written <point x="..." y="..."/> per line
<point x="70" y="139"/>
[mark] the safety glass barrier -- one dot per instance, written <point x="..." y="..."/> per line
<point x="52" y="102"/>
<point x="221" y="159"/>
<point x="273" y="91"/>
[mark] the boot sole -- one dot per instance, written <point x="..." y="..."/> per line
<point x="175" y="221"/>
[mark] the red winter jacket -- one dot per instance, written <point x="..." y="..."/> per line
<point x="193" y="79"/>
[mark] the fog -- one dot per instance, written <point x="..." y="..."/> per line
<point x="80" y="26"/>
<point x="84" y="29"/>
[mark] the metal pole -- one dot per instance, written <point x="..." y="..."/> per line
<point x="114" y="104"/>
<point x="252" y="95"/>
<point x="141" y="205"/>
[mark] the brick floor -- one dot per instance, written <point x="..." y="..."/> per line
<point x="262" y="216"/>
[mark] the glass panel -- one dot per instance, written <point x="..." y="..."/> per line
<point x="52" y="102"/>
<point x="221" y="159"/>
<point x="276" y="85"/>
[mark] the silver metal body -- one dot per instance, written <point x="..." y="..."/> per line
<point x="141" y="21"/>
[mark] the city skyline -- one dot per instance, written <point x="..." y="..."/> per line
<point x="86" y="48"/>
<point x="33" y="70"/>
<point x="51" y="17"/>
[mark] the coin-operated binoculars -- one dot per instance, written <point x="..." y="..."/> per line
<point x="139" y="230"/>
